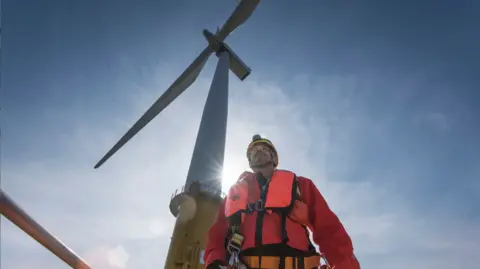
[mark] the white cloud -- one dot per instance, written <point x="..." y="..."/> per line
<point x="118" y="217"/>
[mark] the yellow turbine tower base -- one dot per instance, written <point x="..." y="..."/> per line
<point x="195" y="209"/>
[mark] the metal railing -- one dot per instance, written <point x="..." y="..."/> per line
<point x="210" y="189"/>
<point x="21" y="219"/>
<point x="203" y="188"/>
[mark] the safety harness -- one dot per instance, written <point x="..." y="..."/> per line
<point x="234" y="239"/>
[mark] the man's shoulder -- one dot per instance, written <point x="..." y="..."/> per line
<point x="304" y="185"/>
<point x="301" y="179"/>
<point x="246" y="175"/>
<point x="304" y="178"/>
<point x="305" y="181"/>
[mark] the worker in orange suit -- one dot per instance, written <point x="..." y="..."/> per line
<point x="264" y="220"/>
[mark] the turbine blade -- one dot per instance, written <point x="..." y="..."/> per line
<point x="241" y="13"/>
<point x="180" y="85"/>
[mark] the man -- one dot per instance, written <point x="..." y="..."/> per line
<point x="263" y="221"/>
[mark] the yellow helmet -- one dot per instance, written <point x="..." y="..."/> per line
<point x="256" y="139"/>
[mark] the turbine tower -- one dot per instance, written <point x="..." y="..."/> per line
<point x="195" y="205"/>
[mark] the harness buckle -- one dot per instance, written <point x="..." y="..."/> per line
<point x="235" y="243"/>
<point x="259" y="205"/>
<point x="234" y="247"/>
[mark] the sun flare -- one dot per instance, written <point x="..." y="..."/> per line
<point x="231" y="171"/>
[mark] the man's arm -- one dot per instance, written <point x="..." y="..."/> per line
<point x="215" y="251"/>
<point x="215" y="247"/>
<point x="328" y="232"/>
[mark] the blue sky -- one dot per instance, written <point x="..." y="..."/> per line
<point x="376" y="101"/>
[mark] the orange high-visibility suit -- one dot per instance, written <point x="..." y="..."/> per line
<point x="327" y="230"/>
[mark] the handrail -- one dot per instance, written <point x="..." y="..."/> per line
<point x="209" y="188"/>
<point x="19" y="217"/>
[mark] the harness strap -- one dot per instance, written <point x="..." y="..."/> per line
<point x="284" y="216"/>
<point x="273" y="262"/>
<point x="234" y="246"/>
<point x="235" y="242"/>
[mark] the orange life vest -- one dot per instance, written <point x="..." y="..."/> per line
<point x="279" y="195"/>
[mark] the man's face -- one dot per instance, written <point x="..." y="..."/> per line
<point x="260" y="154"/>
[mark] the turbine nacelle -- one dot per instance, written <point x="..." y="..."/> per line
<point x="237" y="66"/>
<point x="216" y="45"/>
<point x="212" y="40"/>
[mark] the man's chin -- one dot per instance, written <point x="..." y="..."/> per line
<point x="260" y="165"/>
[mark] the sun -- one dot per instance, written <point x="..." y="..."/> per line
<point x="232" y="169"/>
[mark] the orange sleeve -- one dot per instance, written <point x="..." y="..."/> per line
<point x="215" y="245"/>
<point x="328" y="232"/>
<point x="216" y="237"/>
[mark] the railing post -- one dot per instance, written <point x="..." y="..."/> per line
<point x="19" y="217"/>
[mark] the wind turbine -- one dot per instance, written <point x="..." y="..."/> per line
<point x="195" y="205"/>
